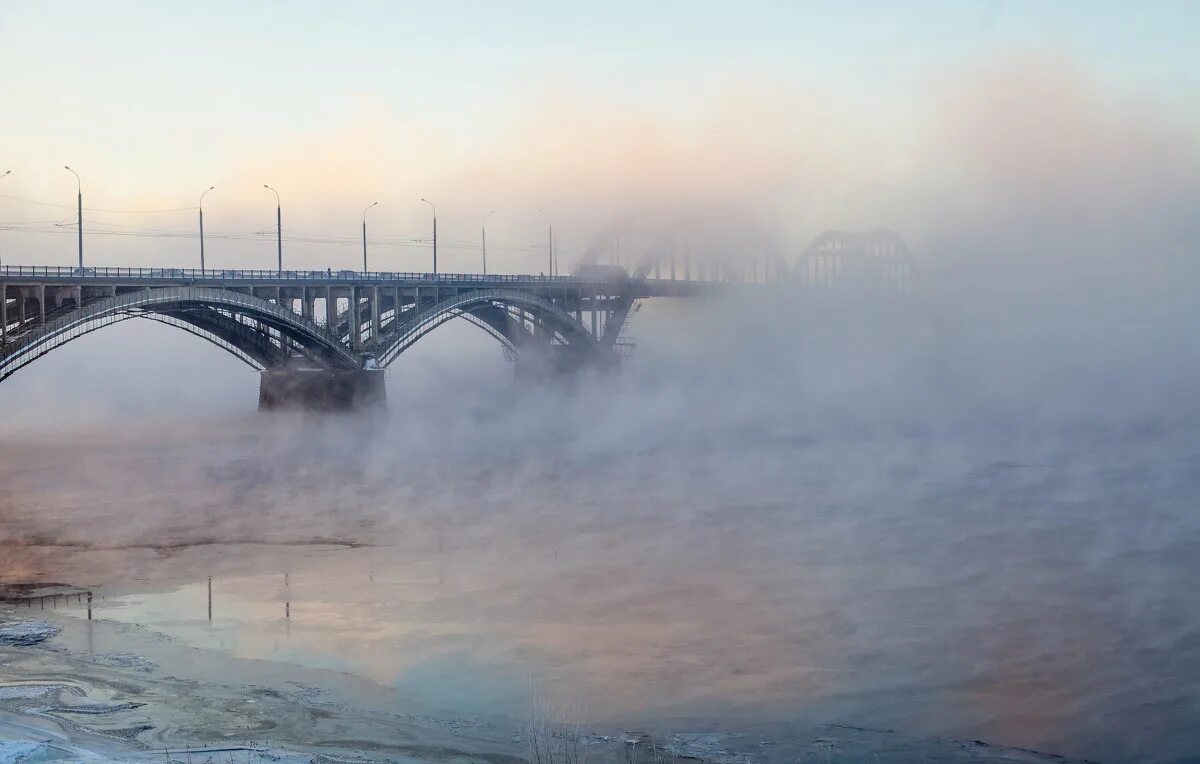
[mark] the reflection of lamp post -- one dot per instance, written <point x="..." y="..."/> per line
<point x="278" y="226"/>
<point x="434" y="207"/>
<point x="483" y="239"/>
<point x="549" y="244"/>
<point x="79" y="218"/>
<point x="210" y="188"/>
<point x="364" y="218"/>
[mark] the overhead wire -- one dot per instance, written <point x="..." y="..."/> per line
<point x="103" y="228"/>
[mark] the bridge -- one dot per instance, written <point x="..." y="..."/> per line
<point x="324" y="338"/>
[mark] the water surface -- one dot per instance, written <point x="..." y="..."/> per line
<point x="1028" y="591"/>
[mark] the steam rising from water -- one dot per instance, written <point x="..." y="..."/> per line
<point x="967" y="510"/>
<point x="952" y="513"/>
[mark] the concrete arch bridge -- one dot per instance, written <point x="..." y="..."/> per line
<point x="322" y="339"/>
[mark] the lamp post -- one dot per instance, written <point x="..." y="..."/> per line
<point x="278" y="226"/>
<point x="364" y="221"/>
<point x="434" y="208"/>
<point x="79" y="209"/>
<point x="201" y="205"/>
<point x="549" y="244"/>
<point x="483" y="238"/>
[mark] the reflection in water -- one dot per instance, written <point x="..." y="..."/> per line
<point x="938" y="589"/>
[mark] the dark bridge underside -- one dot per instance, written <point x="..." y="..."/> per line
<point x="267" y="335"/>
<point x="258" y="332"/>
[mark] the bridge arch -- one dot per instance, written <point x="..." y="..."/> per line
<point x="212" y="314"/>
<point x="879" y="259"/>
<point x="496" y="312"/>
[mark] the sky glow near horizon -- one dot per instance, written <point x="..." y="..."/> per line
<point x="787" y="118"/>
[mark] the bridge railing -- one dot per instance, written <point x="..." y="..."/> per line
<point x="195" y="274"/>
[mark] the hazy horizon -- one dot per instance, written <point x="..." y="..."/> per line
<point x="747" y="130"/>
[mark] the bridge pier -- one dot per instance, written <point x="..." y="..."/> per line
<point x="542" y="363"/>
<point x="321" y="389"/>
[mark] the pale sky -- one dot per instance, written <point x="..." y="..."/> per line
<point x="590" y="112"/>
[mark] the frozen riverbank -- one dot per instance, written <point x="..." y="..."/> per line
<point x="62" y="700"/>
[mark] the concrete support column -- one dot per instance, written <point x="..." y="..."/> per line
<point x="355" y="326"/>
<point x="376" y="323"/>
<point x="20" y="305"/>
<point x="3" y="313"/>
<point x="79" y="297"/>
<point x="306" y="308"/>
<point x="595" y="325"/>
<point x="520" y="322"/>
<point x="42" y="304"/>
<point x="330" y="313"/>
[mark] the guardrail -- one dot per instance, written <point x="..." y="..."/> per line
<point x="195" y="274"/>
<point x="69" y="273"/>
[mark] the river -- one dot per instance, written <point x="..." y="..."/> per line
<point x="1038" y="597"/>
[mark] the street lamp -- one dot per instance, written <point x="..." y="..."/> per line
<point x="201" y="205"/>
<point x="483" y="238"/>
<point x="278" y="226"/>
<point x="434" y="207"/>
<point x="364" y="221"/>
<point x="549" y="244"/>
<point x="79" y="217"/>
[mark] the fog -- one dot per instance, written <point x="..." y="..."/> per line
<point x="962" y="510"/>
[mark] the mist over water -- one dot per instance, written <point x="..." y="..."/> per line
<point x="965" y="511"/>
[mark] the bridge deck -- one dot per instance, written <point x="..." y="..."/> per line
<point x="26" y="275"/>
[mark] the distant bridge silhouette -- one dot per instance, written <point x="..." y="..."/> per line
<point x="878" y="260"/>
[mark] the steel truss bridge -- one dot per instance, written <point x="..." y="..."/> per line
<point x="344" y="324"/>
